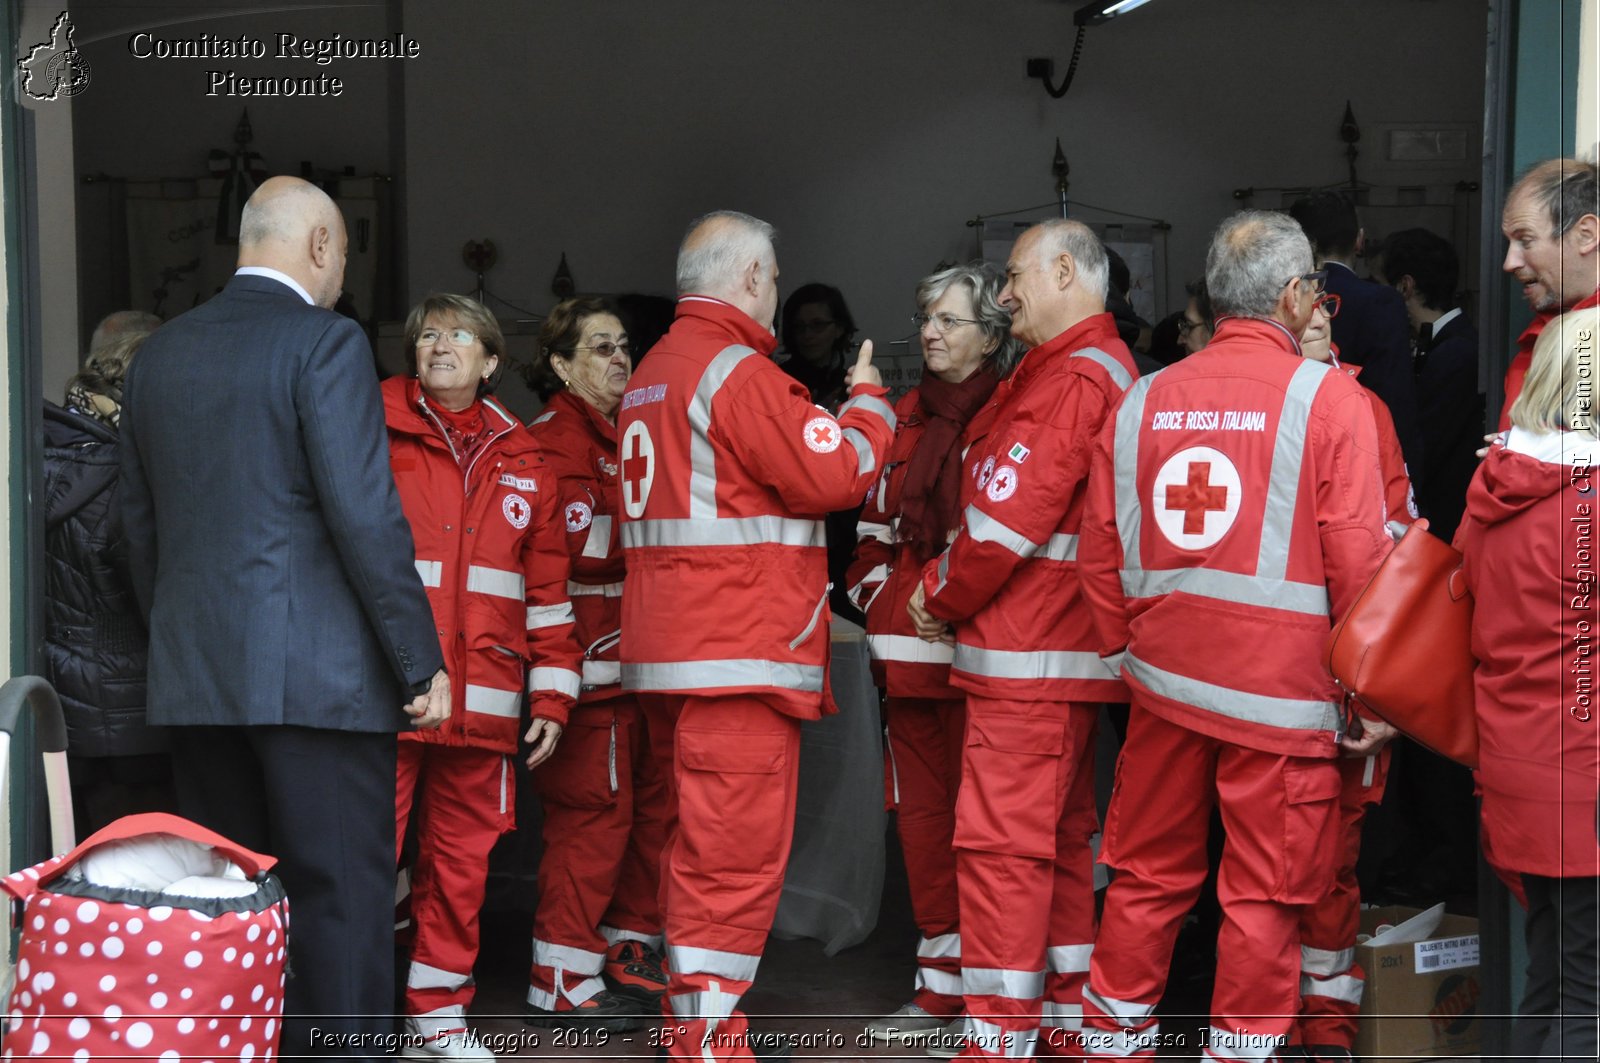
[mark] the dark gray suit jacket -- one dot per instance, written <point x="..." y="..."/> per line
<point x="265" y="535"/>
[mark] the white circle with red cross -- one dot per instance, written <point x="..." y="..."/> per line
<point x="579" y="516"/>
<point x="1196" y="497"/>
<point x="1002" y="485"/>
<point x="822" y="435"/>
<point x="638" y="469"/>
<point x="517" y="510"/>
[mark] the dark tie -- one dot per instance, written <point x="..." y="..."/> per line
<point x="1425" y="336"/>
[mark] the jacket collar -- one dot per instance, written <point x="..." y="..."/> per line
<point x="725" y="317"/>
<point x="405" y="409"/>
<point x="1093" y="331"/>
<point x="587" y="414"/>
<point x="1256" y="331"/>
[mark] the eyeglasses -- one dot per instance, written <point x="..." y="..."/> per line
<point x="607" y="349"/>
<point x="1316" y="279"/>
<point x="457" y="337"/>
<point x="1329" y="303"/>
<point x="1185" y="326"/>
<point x="942" y="323"/>
<point x="813" y="326"/>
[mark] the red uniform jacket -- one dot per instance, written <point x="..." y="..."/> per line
<point x="1009" y="581"/>
<point x="1400" y="503"/>
<point x="886" y="571"/>
<point x="580" y="446"/>
<point x="1235" y="509"/>
<point x="489" y="550"/>
<point x="1517" y="371"/>
<point x="1528" y="544"/>
<point x="727" y="471"/>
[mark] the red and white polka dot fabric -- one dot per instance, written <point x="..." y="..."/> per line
<point x="110" y="972"/>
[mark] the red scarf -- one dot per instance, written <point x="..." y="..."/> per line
<point x="930" y="497"/>
<point x="463" y="429"/>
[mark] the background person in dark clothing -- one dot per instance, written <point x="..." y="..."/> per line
<point x="95" y="641"/>
<point x="1423" y="268"/>
<point x="1372" y="329"/>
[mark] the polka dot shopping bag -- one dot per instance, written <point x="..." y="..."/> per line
<point x="154" y="939"/>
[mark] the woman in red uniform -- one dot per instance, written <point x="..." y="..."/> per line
<point x="907" y="519"/>
<point x="1528" y="544"/>
<point x="486" y="522"/>
<point x="597" y="933"/>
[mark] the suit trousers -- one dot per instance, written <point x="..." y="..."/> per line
<point x="463" y="800"/>
<point x="1279" y="813"/>
<point x="1560" y="1004"/>
<point x="926" y="736"/>
<point x="322" y="802"/>
<point x="735" y="777"/>
<point x="1025" y="871"/>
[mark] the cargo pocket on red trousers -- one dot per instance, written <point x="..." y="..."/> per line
<point x="1009" y="790"/>
<point x="1310" y="835"/>
<point x="735" y="801"/>
<point x="580" y="773"/>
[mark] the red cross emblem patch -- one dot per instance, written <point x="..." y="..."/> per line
<point x="517" y="510"/>
<point x="822" y="435"/>
<point x="1196" y="497"/>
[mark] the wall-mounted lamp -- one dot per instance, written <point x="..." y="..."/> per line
<point x="1104" y="11"/>
<point x="1088" y="15"/>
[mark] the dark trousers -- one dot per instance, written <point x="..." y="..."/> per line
<point x="322" y="802"/>
<point x="1561" y="1005"/>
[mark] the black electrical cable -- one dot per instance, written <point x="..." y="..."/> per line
<point x="1072" y="68"/>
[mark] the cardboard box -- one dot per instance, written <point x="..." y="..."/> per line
<point x="1421" y="997"/>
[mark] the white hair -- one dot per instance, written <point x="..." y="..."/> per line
<point x="1253" y="255"/>
<point x="1057" y="235"/>
<point x="712" y="263"/>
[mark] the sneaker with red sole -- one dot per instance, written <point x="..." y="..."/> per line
<point x="635" y="970"/>
<point x="603" y="1011"/>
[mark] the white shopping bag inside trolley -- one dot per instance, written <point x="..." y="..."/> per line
<point x="163" y="863"/>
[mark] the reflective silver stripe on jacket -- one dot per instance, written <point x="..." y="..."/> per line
<point x="1031" y="664"/>
<point x="1002" y="982"/>
<point x="738" y="966"/>
<point x="909" y="649"/>
<point x="702" y="454"/>
<point x="432" y="572"/>
<point x="873" y="405"/>
<point x="866" y="529"/>
<point x="983" y="528"/>
<point x="1267" y="585"/>
<point x="601" y="673"/>
<point x="1119" y="375"/>
<point x="1059" y="547"/>
<point x="995" y="1040"/>
<point x="723" y="531"/>
<point x="554" y="680"/>
<point x="866" y="460"/>
<point x="1290" y="713"/>
<point x="549" y="615"/>
<point x="495" y="581"/>
<point x="1310" y="598"/>
<point x="714" y="675"/>
<point x="943" y="572"/>
<point x="609" y="590"/>
<point x="492" y="702"/>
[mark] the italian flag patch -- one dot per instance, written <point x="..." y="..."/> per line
<point x="1018" y="453"/>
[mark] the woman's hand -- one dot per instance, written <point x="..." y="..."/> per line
<point x="543" y="735"/>
<point x="929" y="627"/>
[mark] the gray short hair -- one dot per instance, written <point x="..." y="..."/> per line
<point x="712" y="264"/>
<point x="1253" y="255"/>
<point x="1565" y="189"/>
<point x="1078" y="240"/>
<point x="984" y="282"/>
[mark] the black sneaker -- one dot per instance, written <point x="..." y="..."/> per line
<point x="634" y="970"/>
<point x="603" y="1011"/>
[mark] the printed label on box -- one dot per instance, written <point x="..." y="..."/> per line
<point x="1445" y="953"/>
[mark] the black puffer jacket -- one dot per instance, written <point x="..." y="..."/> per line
<point x="95" y="641"/>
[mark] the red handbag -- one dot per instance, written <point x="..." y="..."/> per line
<point x="1404" y="648"/>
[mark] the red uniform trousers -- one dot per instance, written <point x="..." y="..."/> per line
<point x="736" y="774"/>
<point x="1278" y="812"/>
<point x="604" y="800"/>
<point x="1331" y="981"/>
<point x="1024" y="818"/>
<point x="463" y="799"/>
<point x="926" y="738"/>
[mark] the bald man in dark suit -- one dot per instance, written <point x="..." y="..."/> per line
<point x="290" y="636"/>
